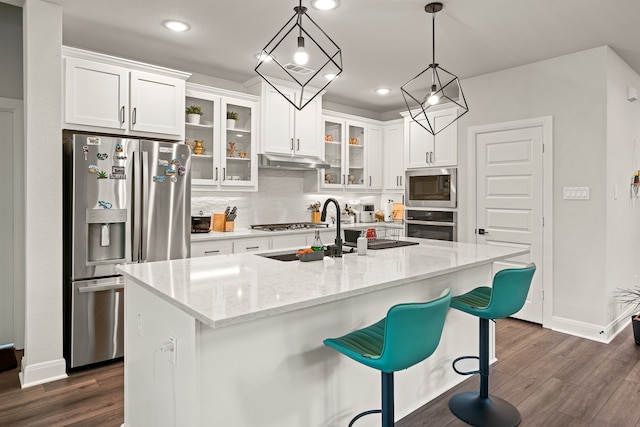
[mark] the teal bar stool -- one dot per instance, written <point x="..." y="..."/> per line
<point x="506" y="297"/>
<point x="409" y="334"/>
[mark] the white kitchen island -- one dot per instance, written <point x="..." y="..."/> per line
<point x="248" y="333"/>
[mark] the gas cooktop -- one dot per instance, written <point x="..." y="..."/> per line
<point x="289" y="226"/>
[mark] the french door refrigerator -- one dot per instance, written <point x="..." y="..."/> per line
<point x="125" y="201"/>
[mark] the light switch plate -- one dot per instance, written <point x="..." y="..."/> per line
<point x="576" y="193"/>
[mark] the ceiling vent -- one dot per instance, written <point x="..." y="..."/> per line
<point x="299" y="69"/>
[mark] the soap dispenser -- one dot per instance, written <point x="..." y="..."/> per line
<point x="362" y="243"/>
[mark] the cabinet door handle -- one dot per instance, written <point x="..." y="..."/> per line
<point x="298" y="148"/>
<point x="400" y="180"/>
<point x="134" y="116"/>
<point x="252" y="247"/>
<point x="344" y="180"/>
<point x="432" y="157"/>
<point x="216" y="174"/>
<point x="427" y="157"/>
<point x="212" y="252"/>
<point x="369" y="180"/>
<point x="224" y="174"/>
<point x="291" y="144"/>
<point x="122" y="115"/>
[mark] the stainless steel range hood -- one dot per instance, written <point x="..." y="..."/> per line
<point x="275" y="161"/>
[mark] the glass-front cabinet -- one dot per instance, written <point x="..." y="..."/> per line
<point x="222" y="138"/>
<point x="344" y="151"/>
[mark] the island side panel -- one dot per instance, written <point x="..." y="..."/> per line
<point x="275" y="372"/>
<point x="157" y="392"/>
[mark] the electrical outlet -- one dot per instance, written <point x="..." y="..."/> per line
<point x="140" y="324"/>
<point x="174" y="353"/>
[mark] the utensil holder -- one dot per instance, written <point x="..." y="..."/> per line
<point x="315" y="217"/>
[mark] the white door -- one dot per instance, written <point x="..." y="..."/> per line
<point x="509" y="211"/>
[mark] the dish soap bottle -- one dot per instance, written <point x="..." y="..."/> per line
<point x="317" y="243"/>
<point x="362" y="243"/>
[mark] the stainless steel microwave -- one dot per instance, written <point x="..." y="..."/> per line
<point x="431" y="188"/>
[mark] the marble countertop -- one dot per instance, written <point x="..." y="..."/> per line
<point x="241" y="233"/>
<point x="229" y="289"/>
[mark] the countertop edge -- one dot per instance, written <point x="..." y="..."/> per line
<point x="268" y="312"/>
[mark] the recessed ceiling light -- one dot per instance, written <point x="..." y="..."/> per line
<point x="383" y="91"/>
<point x="263" y="56"/>
<point x="324" y="4"/>
<point x="176" y="26"/>
<point x="330" y="76"/>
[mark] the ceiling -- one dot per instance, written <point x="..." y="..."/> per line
<point x="384" y="42"/>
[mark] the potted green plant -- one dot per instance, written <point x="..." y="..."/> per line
<point x="194" y="112"/>
<point x="631" y="297"/>
<point x="232" y="116"/>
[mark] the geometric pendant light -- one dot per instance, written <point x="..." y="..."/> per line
<point x="302" y="54"/>
<point x="432" y="87"/>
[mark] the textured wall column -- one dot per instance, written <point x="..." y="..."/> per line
<point x="42" y="33"/>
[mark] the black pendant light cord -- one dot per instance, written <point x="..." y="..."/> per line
<point x="433" y="38"/>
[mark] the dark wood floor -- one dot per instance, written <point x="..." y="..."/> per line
<point x="554" y="379"/>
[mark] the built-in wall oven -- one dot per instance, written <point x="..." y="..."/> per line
<point x="426" y="224"/>
<point x="431" y="188"/>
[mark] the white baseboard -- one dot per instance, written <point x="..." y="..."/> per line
<point x="590" y="331"/>
<point x="41" y="373"/>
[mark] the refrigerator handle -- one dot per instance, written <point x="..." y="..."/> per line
<point x="144" y="191"/>
<point x="135" y="216"/>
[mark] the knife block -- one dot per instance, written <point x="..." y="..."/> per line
<point x="228" y="225"/>
<point x="219" y="222"/>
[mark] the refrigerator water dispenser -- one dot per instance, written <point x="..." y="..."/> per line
<point x="106" y="235"/>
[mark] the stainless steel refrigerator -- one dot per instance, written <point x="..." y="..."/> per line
<point x="125" y="201"/>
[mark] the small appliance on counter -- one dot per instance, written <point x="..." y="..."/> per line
<point x="368" y="213"/>
<point x="201" y="222"/>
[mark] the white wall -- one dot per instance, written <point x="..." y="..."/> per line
<point x="572" y="89"/>
<point x="12" y="211"/>
<point x="11" y="48"/>
<point x="43" y="193"/>
<point x="623" y="159"/>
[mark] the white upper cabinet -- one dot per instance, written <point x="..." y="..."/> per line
<point x="223" y="150"/>
<point x="374" y="151"/>
<point x="157" y="103"/>
<point x="394" y="156"/>
<point x="107" y="94"/>
<point x="353" y="151"/>
<point x="285" y="130"/>
<point x="96" y="94"/>
<point x="424" y="150"/>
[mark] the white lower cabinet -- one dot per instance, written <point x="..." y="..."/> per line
<point x="209" y="248"/>
<point x="250" y="245"/>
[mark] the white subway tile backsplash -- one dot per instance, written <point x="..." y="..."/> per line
<point x="279" y="199"/>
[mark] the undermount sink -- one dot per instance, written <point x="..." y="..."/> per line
<point x="289" y="256"/>
<point x="292" y="255"/>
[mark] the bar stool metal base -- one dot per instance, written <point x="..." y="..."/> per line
<point x="484" y="412"/>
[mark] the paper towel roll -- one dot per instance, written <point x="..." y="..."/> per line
<point x="388" y="211"/>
